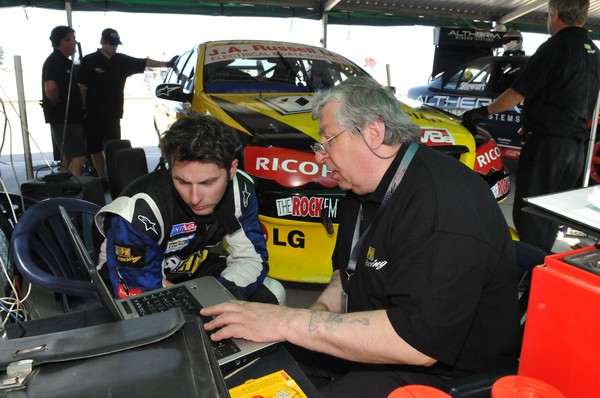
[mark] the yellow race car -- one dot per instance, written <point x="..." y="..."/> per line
<point x="264" y="91"/>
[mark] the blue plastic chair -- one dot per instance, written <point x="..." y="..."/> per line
<point x="44" y="255"/>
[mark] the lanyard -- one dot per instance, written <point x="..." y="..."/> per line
<point x="358" y="240"/>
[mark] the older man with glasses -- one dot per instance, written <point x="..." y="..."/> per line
<point x="424" y="282"/>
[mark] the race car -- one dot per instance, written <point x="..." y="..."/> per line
<point x="474" y="84"/>
<point x="264" y="91"/>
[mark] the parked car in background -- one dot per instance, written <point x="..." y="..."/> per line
<point x="264" y="91"/>
<point x="478" y="83"/>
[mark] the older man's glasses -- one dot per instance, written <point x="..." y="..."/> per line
<point x="319" y="147"/>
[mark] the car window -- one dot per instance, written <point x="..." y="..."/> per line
<point x="230" y="68"/>
<point x="508" y="71"/>
<point x="183" y="72"/>
<point x="473" y="77"/>
<point x="173" y="75"/>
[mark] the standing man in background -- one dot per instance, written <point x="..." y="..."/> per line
<point x="61" y="101"/>
<point x="102" y="80"/>
<point x="560" y="87"/>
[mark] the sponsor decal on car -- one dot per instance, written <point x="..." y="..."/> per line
<point x="294" y="238"/>
<point x="240" y="50"/>
<point x="488" y="158"/>
<point x="288" y="167"/>
<point x="436" y="137"/>
<point x="303" y="206"/>
<point x="501" y="188"/>
<point x="472" y="86"/>
<point x="450" y="103"/>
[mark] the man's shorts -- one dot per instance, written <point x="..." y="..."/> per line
<point x="100" y="130"/>
<point x="74" y="143"/>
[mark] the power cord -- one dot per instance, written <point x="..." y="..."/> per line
<point x="13" y="305"/>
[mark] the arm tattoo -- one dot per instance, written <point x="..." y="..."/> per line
<point x="329" y="319"/>
<point x="363" y="321"/>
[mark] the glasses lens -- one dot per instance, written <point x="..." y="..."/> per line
<point x="318" y="147"/>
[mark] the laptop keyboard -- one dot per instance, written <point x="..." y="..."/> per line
<point x="179" y="297"/>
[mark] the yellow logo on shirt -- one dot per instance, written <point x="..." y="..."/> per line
<point x="124" y="255"/>
<point x="371" y="253"/>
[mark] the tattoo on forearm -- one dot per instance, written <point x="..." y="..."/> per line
<point x="328" y="319"/>
<point x="364" y="321"/>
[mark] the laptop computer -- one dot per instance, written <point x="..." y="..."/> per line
<point x="189" y="296"/>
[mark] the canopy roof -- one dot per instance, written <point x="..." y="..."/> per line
<point x="525" y="15"/>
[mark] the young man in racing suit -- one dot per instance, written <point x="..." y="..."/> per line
<point x="196" y="217"/>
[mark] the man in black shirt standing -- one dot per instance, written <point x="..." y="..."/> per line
<point x="560" y="87"/>
<point x="61" y="101"/>
<point x="102" y="80"/>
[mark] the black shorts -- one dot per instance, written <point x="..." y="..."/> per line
<point x="73" y="144"/>
<point x="99" y="130"/>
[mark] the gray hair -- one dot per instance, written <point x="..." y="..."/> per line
<point x="571" y="12"/>
<point x="364" y="101"/>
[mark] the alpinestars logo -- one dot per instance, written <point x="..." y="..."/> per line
<point x="246" y="195"/>
<point x="150" y="226"/>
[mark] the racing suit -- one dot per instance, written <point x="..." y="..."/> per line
<point x="151" y="235"/>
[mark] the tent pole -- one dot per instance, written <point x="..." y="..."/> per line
<point x="69" y="9"/>
<point x="23" y="117"/>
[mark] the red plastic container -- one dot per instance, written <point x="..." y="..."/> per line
<point x="561" y="344"/>
<point x="417" y="391"/>
<point x="523" y="387"/>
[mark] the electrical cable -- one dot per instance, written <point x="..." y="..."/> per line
<point x="12" y="164"/>
<point x="17" y="304"/>
<point x="10" y="203"/>
<point x="29" y="135"/>
<point x="6" y="123"/>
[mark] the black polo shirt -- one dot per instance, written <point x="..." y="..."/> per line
<point x="440" y="259"/>
<point x="57" y="67"/>
<point x="105" y="80"/>
<point x="560" y="84"/>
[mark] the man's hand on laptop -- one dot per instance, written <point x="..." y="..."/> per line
<point x="251" y="321"/>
